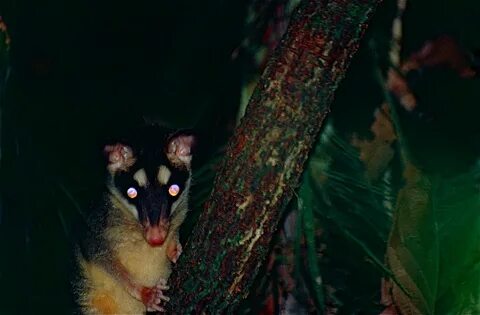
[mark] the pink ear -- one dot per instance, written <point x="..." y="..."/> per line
<point x="179" y="149"/>
<point x="120" y="157"/>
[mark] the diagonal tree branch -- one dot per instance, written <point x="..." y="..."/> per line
<point x="266" y="156"/>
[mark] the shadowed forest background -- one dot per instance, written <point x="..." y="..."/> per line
<point x="80" y="73"/>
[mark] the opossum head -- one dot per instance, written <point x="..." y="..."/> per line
<point x="151" y="179"/>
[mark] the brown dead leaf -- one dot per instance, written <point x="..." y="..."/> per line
<point x="377" y="153"/>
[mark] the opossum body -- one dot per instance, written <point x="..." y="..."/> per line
<point x="125" y="257"/>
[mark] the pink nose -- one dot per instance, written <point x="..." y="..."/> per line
<point x="155" y="235"/>
<point x="156" y="241"/>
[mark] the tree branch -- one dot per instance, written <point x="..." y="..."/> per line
<point x="266" y="156"/>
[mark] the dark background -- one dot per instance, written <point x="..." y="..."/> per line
<point x="83" y="73"/>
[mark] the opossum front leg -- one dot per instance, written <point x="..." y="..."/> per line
<point x="151" y="297"/>
<point x="174" y="248"/>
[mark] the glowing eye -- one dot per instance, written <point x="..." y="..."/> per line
<point x="132" y="192"/>
<point x="173" y="190"/>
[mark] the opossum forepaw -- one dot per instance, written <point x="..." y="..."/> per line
<point x="174" y="251"/>
<point x="162" y="285"/>
<point x="153" y="297"/>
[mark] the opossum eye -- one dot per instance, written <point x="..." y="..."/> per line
<point x="173" y="190"/>
<point x="132" y="192"/>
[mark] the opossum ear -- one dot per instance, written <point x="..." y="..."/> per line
<point x="120" y="157"/>
<point x="179" y="149"/>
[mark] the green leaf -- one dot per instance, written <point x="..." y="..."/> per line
<point x="434" y="250"/>
<point x="346" y="216"/>
<point x="305" y="206"/>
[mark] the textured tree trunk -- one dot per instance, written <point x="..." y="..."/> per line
<point x="265" y="157"/>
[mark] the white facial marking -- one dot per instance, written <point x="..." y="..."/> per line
<point x="163" y="175"/>
<point x="124" y="202"/>
<point x="141" y="178"/>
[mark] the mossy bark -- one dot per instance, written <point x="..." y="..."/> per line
<point x="266" y="156"/>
